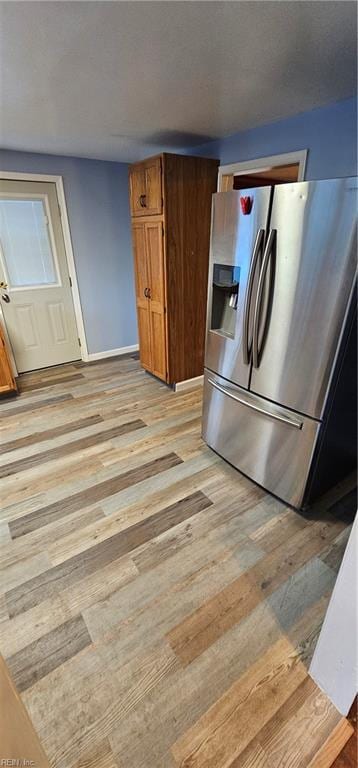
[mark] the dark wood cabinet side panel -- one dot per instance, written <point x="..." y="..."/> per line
<point x="189" y="183"/>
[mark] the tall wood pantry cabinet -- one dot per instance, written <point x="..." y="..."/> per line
<point x="170" y="200"/>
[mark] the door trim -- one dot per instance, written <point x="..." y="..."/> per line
<point x="58" y="181"/>
<point x="262" y="163"/>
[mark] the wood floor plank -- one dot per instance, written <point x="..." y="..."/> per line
<point x="23" y="569"/>
<point x="152" y="436"/>
<point x="200" y="630"/>
<point x="50" y="651"/>
<point x="333" y="746"/>
<point x="47" y="478"/>
<point x="333" y="556"/>
<point x="134" y="495"/>
<point x="5" y="537"/>
<point x="190" y="531"/>
<point x="54" y="579"/>
<point x="46" y="403"/>
<point x="4" y="615"/>
<point x="75" y="445"/>
<point x="252" y="757"/>
<point x="65" y="489"/>
<point x="48" y="434"/>
<point x="303" y="734"/>
<point x="100" y="757"/>
<point x="63" y="369"/>
<point x="50" y="382"/>
<point x="18" y="632"/>
<point x="283" y="715"/>
<point x="233" y="721"/>
<point x="40" y="540"/>
<point x="152" y="501"/>
<point x="277" y="529"/>
<point x="93" y="494"/>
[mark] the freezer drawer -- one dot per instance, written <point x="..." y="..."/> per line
<point x="270" y="444"/>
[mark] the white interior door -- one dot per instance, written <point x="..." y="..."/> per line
<point x="37" y="297"/>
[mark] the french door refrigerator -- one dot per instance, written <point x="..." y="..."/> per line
<point x="280" y="371"/>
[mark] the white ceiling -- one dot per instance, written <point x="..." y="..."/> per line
<point x="120" y="80"/>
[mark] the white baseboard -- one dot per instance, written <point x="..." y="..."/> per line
<point x="111" y="353"/>
<point x="188" y="383"/>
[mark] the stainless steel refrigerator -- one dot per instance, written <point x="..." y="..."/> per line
<point x="280" y="370"/>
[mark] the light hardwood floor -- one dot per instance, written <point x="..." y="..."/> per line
<point x="157" y="608"/>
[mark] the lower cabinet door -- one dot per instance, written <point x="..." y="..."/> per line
<point x="143" y="316"/>
<point x="142" y="300"/>
<point x="155" y="266"/>
<point x="272" y="445"/>
<point x="150" y="296"/>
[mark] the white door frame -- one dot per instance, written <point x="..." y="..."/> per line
<point x="58" y="181"/>
<point x="265" y="163"/>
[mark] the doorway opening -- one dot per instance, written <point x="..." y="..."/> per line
<point x="268" y="171"/>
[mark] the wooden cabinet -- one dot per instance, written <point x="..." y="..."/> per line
<point x="170" y="197"/>
<point x="7" y="381"/>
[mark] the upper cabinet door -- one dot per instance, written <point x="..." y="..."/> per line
<point x="145" y="181"/>
<point x="137" y="190"/>
<point x="311" y="268"/>
<point x="153" y="186"/>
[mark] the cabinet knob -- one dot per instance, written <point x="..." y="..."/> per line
<point x="142" y="201"/>
<point x="5" y="297"/>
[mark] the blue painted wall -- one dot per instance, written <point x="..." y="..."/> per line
<point x="98" y="210"/>
<point x="329" y="133"/>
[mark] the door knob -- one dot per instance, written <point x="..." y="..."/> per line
<point x="5" y="297"/>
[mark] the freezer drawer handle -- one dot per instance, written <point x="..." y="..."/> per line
<point x="245" y="333"/>
<point x="286" y="419"/>
<point x="260" y="290"/>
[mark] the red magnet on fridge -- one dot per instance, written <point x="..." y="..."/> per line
<point x="246" y="204"/>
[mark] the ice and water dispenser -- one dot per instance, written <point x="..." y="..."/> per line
<point x="225" y="296"/>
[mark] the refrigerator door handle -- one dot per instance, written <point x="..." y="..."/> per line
<point x="291" y="421"/>
<point x="250" y="284"/>
<point x="260" y="290"/>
